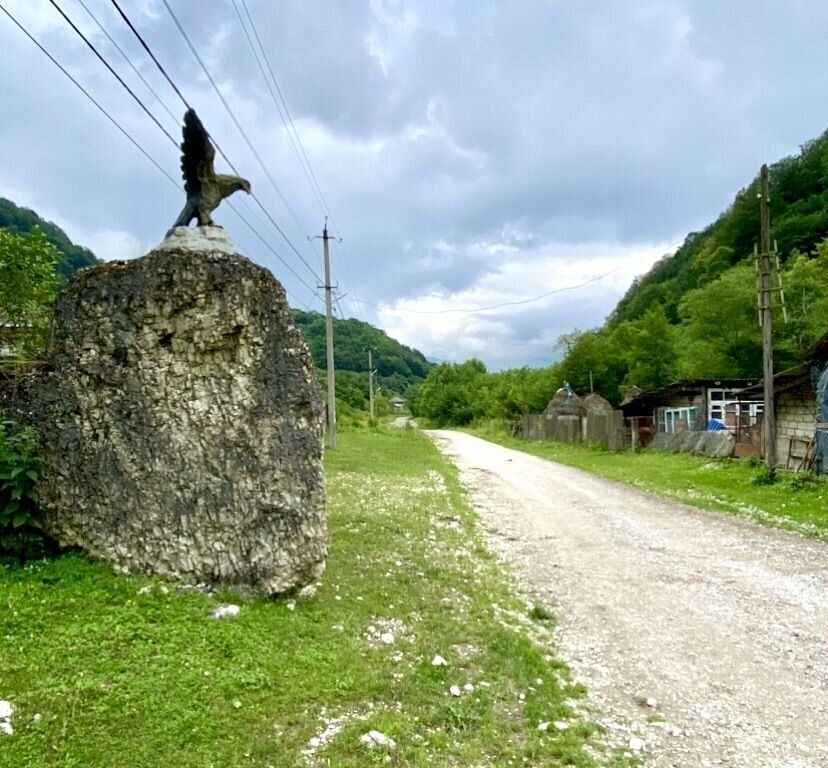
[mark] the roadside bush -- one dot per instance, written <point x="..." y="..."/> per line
<point x="21" y="520"/>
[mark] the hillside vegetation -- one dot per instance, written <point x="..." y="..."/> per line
<point x="21" y="221"/>
<point x="398" y="367"/>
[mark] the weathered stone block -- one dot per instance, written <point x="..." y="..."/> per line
<point x="182" y="422"/>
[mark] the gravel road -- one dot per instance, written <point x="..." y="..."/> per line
<point x="720" y="623"/>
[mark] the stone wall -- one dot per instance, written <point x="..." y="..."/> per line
<point x="182" y="422"/>
<point x="795" y="420"/>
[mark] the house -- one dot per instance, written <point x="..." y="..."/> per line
<point x="800" y="396"/>
<point x="694" y="405"/>
<point x="397" y="403"/>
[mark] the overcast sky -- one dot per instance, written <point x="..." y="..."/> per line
<point x="472" y="153"/>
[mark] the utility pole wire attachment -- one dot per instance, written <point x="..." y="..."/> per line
<point x="330" y="365"/>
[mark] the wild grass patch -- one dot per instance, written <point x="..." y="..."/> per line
<point x="104" y="669"/>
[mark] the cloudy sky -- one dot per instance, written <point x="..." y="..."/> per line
<point x="474" y="155"/>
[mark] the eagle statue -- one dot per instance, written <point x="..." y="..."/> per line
<point x="204" y="187"/>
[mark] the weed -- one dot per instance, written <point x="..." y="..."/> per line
<point x="539" y="613"/>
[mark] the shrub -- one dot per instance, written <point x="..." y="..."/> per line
<point x="21" y="520"/>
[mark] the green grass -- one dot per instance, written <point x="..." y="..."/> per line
<point x="794" y="502"/>
<point x="122" y="678"/>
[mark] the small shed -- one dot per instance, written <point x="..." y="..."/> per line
<point x="397" y="403"/>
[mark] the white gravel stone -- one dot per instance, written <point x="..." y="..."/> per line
<point x="6" y="727"/>
<point x="561" y="725"/>
<point x="543" y="726"/>
<point x="455" y="690"/>
<point x="636" y="744"/>
<point x="225" y="612"/>
<point x="468" y="687"/>
<point x="377" y="740"/>
<point x="387" y="638"/>
<point x="439" y="661"/>
<point x="6" y="710"/>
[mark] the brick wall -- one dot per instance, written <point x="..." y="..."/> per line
<point x="795" y="419"/>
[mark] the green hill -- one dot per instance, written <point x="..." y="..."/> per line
<point x="398" y="367"/>
<point x="799" y="217"/>
<point x="694" y="313"/>
<point x="21" y="221"/>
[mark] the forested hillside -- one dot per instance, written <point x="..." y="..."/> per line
<point x="397" y="366"/>
<point x="21" y="221"/>
<point x="694" y="314"/>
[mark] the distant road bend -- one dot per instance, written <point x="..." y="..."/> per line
<point x="721" y="623"/>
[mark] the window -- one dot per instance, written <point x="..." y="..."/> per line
<point x="672" y="420"/>
<point x="724" y="406"/>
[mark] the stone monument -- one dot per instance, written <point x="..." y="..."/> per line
<point x="181" y="420"/>
<point x="182" y="423"/>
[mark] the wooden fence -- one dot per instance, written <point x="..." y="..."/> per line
<point x="604" y="428"/>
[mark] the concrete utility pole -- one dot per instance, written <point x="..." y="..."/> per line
<point x="331" y="416"/>
<point x="370" y="385"/>
<point x="765" y="294"/>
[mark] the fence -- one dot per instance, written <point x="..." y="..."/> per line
<point x="600" y="427"/>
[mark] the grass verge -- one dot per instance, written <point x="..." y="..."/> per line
<point x="794" y="502"/>
<point x="109" y="670"/>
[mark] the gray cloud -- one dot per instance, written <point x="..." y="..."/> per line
<point x="454" y="141"/>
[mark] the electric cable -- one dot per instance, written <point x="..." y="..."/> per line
<point x="114" y="73"/>
<point x="89" y="96"/>
<point x="238" y="125"/>
<point x="128" y="60"/>
<point x="138" y="146"/>
<point x="186" y="103"/>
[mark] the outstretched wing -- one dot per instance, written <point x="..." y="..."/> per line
<point x="197" y="154"/>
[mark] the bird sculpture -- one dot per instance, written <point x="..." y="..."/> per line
<point x="204" y="187"/>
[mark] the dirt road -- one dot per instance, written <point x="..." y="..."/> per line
<point x="722" y="624"/>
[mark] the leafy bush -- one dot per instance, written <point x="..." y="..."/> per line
<point x="21" y="519"/>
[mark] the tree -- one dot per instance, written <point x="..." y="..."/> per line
<point x="452" y="394"/>
<point x="29" y="280"/>
<point x="650" y="350"/>
<point x="720" y="334"/>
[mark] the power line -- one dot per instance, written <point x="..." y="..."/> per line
<point x="114" y="73"/>
<point x="291" y="130"/>
<point x="128" y="61"/>
<point x="181" y="96"/>
<point x="91" y="98"/>
<point x="476" y="310"/>
<point x="135" y="143"/>
<point x="269" y="246"/>
<point x="151" y="54"/>
<point x="286" y="121"/>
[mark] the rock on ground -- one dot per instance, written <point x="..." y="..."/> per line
<point x="181" y="420"/>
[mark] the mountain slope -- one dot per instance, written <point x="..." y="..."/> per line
<point x="694" y="314"/>
<point x="398" y="366"/>
<point x="22" y="220"/>
<point x="799" y="220"/>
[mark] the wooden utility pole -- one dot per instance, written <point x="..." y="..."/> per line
<point x="331" y="415"/>
<point x="370" y="385"/>
<point x="765" y="312"/>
